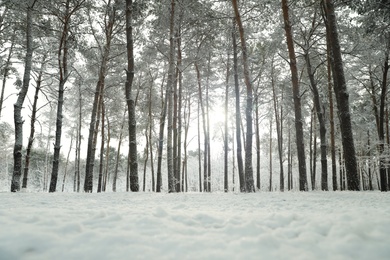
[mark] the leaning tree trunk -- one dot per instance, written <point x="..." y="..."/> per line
<point x="134" y="186"/>
<point x="342" y="98"/>
<point x="18" y="106"/>
<point x="297" y="99"/>
<point x="249" y="183"/>
<point x="279" y="134"/>
<point x="32" y="126"/>
<point x="321" y="120"/>
<point x="6" y="70"/>
<point x="97" y="102"/>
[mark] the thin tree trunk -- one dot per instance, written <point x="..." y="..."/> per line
<point x="32" y="126"/>
<point x="18" y="106"/>
<point x="67" y="163"/>
<point x="204" y="123"/>
<point x="107" y="155"/>
<point x="102" y="141"/>
<point x="289" y="162"/>
<point x="342" y="98"/>
<point x="63" y="68"/>
<point x="146" y="153"/>
<point x="249" y="183"/>
<point x="199" y="151"/>
<point x="240" y="162"/>
<point x="321" y="120"/>
<point x="278" y="129"/>
<point x="226" y="134"/>
<point x="118" y="155"/>
<point x="7" y="67"/>
<point x="161" y="137"/>
<point x="179" y="186"/>
<point x="381" y="134"/>
<point x="270" y="154"/>
<point x="297" y="99"/>
<point x="76" y="186"/>
<point x="170" y="86"/>
<point x="134" y="186"/>
<point x="96" y="108"/>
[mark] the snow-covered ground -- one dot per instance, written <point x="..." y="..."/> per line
<point x="290" y="225"/>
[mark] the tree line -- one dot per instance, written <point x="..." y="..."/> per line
<point x="147" y="74"/>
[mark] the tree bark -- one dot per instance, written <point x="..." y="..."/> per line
<point x="63" y="68"/>
<point x="32" y="126"/>
<point x="240" y="163"/>
<point x="342" y="98"/>
<point x="18" y="106"/>
<point x="297" y="99"/>
<point x="249" y="183"/>
<point x="134" y="186"/>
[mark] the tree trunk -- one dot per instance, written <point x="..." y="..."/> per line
<point x="240" y="163"/>
<point x="134" y="186"/>
<point x="63" y="68"/>
<point x="321" y="120"/>
<point x="383" y="160"/>
<point x="170" y="86"/>
<point x="161" y="137"/>
<point x="278" y="129"/>
<point x="342" y="97"/>
<point x="226" y="134"/>
<point x="32" y="125"/>
<point x="331" y="119"/>
<point x="102" y="141"/>
<point x="249" y="183"/>
<point x="7" y="67"/>
<point x="76" y="185"/>
<point x="297" y="99"/>
<point x="204" y="123"/>
<point x="18" y="106"/>
<point x="179" y="186"/>
<point x="67" y="163"/>
<point x="118" y="156"/>
<point x="107" y="155"/>
<point x="97" y="102"/>
<point x="270" y="154"/>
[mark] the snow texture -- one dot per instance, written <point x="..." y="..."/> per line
<point x="290" y="225"/>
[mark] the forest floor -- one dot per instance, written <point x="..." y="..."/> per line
<point x="289" y="225"/>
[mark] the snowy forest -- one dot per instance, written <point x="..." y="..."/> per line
<point x="194" y="95"/>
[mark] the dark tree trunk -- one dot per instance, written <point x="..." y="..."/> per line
<point x="32" y="128"/>
<point x="110" y="21"/>
<point x="170" y="88"/>
<point x="102" y="143"/>
<point x="6" y="69"/>
<point x="270" y="154"/>
<point x="76" y="184"/>
<point x="331" y="119"/>
<point x="342" y="98"/>
<point x="297" y="99"/>
<point x="134" y="186"/>
<point x="278" y="129"/>
<point x="161" y="138"/>
<point x="249" y="183"/>
<point x="321" y="120"/>
<point x="18" y="106"/>
<point x="63" y="68"/>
